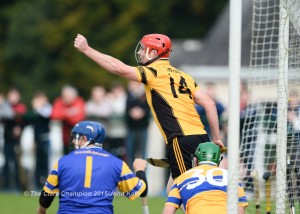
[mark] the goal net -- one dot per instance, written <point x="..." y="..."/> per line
<point x="270" y="121"/>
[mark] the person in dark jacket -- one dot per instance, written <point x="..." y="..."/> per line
<point x="39" y="118"/>
<point x="13" y="173"/>
<point x="137" y="121"/>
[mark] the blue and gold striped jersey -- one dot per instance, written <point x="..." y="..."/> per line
<point x="170" y="95"/>
<point x="87" y="180"/>
<point x="202" y="189"/>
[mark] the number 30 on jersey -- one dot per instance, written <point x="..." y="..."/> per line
<point x="221" y="179"/>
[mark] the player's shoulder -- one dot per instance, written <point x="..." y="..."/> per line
<point x="66" y="157"/>
<point x="182" y="73"/>
<point x="148" y="70"/>
<point x="186" y="75"/>
<point x="109" y="158"/>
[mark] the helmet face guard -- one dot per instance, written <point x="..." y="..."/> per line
<point x="158" y="42"/>
<point x="74" y="142"/>
<point x="208" y="152"/>
<point x="140" y="54"/>
<point x="92" y="132"/>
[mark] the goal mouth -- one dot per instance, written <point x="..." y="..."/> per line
<point x="270" y="121"/>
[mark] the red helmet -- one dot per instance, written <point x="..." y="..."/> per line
<point x="159" y="42"/>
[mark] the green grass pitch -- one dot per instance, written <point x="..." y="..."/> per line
<point x="18" y="203"/>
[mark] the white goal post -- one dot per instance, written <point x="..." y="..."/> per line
<point x="235" y="25"/>
<point x="270" y="137"/>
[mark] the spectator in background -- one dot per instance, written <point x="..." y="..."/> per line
<point x="69" y="108"/>
<point x="98" y="108"/>
<point x="137" y="121"/>
<point x="117" y="127"/>
<point x="244" y="96"/>
<point x="248" y="135"/>
<point x="293" y="137"/>
<point x="210" y="90"/>
<point x="6" y="112"/>
<point x="293" y="112"/>
<point x="13" y="173"/>
<point x="39" y="118"/>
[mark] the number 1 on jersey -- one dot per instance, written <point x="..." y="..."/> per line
<point x="88" y="171"/>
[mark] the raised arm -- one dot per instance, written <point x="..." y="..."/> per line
<point x="107" y="62"/>
<point x="208" y="104"/>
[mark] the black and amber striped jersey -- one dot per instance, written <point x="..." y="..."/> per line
<point x="170" y="95"/>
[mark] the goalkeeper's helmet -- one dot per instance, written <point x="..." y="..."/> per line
<point x="208" y="152"/>
<point x="159" y="42"/>
<point x="94" y="133"/>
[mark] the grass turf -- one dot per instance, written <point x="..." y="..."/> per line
<point x="18" y="203"/>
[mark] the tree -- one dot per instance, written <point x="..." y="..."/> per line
<point x="37" y="37"/>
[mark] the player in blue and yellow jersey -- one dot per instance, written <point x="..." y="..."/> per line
<point x="171" y="95"/>
<point x="88" y="178"/>
<point x="202" y="189"/>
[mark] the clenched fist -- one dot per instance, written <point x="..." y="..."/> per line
<point x="80" y="43"/>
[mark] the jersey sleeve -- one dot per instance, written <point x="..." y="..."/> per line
<point x="131" y="185"/>
<point x="242" y="197"/>
<point x="51" y="185"/>
<point x="145" y="74"/>
<point x="174" y="198"/>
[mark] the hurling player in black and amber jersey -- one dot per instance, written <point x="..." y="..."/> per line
<point x="171" y="95"/>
